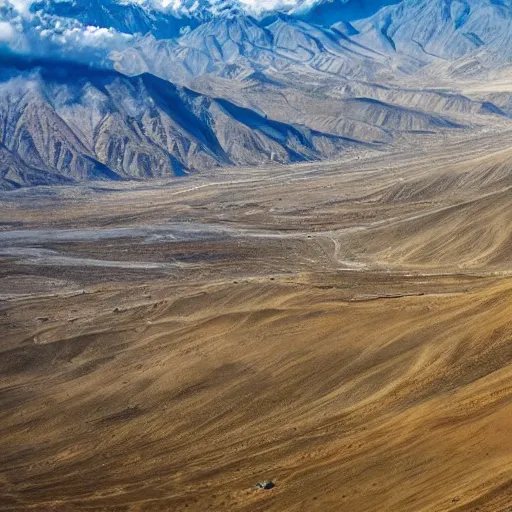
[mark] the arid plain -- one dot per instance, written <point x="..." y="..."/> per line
<point x="343" y="329"/>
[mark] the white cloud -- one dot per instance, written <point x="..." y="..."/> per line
<point x="96" y="37"/>
<point x="191" y="7"/>
<point x="276" y="5"/>
<point x="43" y="35"/>
<point x="188" y="7"/>
<point x="22" y="6"/>
<point x="7" y="32"/>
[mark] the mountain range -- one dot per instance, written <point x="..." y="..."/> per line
<point x="120" y="90"/>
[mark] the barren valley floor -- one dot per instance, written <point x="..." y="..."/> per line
<point x="343" y="329"/>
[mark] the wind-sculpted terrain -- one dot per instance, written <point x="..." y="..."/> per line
<point x="342" y="329"/>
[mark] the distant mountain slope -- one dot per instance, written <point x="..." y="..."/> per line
<point x="356" y="38"/>
<point x="76" y="123"/>
<point x="439" y="29"/>
<point x="237" y="45"/>
<point x="14" y="172"/>
<point x="381" y="39"/>
<point x="282" y="86"/>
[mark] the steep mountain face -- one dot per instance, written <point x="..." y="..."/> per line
<point x="77" y="123"/>
<point x="14" y="172"/>
<point x="440" y="29"/>
<point x="238" y="45"/>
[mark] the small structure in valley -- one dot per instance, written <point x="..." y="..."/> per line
<point x="266" y="484"/>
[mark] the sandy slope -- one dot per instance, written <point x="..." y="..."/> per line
<point x="396" y="404"/>
<point x="347" y="341"/>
